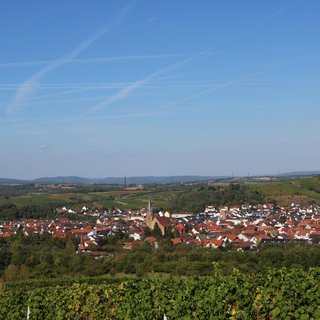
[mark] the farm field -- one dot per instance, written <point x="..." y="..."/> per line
<point x="120" y="199"/>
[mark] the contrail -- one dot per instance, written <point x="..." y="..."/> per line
<point x="90" y="60"/>
<point x="277" y="13"/>
<point x="27" y="88"/>
<point x="235" y="81"/>
<point x="137" y="84"/>
<point x="123" y="93"/>
<point x="212" y="89"/>
<point x="126" y="91"/>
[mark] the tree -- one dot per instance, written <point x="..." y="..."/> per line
<point x="5" y="255"/>
<point x="156" y="232"/>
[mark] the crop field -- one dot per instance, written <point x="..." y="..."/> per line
<point x="123" y="199"/>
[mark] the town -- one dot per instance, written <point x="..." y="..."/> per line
<point x="235" y="227"/>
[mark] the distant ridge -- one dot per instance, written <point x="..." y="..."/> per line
<point x="298" y="173"/>
<point x="111" y="180"/>
<point x="12" y="181"/>
<point x="138" y="180"/>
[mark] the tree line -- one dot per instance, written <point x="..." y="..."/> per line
<point x="41" y="256"/>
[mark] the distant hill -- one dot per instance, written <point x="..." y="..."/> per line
<point x="111" y="180"/>
<point x="62" y="179"/>
<point x="12" y="181"/>
<point x="299" y="173"/>
<point x="139" y="180"/>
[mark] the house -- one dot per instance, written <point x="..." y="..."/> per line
<point x="193" y="242"/>
<point x="213" y="243"/>
<point x="130" y="245"/>
<point x="180" y="227"/>
<point x="176" y="241"/>
<point x="245" y="245"/>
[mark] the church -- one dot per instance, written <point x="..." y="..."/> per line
<point x="152" y="219"/>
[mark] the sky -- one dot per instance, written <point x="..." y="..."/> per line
<point x="149" y="87"/>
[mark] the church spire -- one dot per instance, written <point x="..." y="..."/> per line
<point x="150" y="205"/>
<point x="149" y="215"/>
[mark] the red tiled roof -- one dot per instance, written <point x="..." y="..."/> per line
<point x="176" y="240"/>
<point x="213" y="242"/>
<point x="59" y="234"/>
<point x="180" y="227"/>
<point x="195" y="241"/>
<point x="6" y="234"/>
<point x="164" y="221"/>
<point x="129" y="245"/>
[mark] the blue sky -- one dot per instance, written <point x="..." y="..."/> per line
<point x="114" y="88"/>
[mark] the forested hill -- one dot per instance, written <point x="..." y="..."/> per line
<point x="303" y="190"/>
<point x="194" y="200"/>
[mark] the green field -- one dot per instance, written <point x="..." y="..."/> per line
<point x="303" y="191"/>
<point x="118" y="199"/>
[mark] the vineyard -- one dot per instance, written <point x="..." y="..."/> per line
<point x="277" y="294"/>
